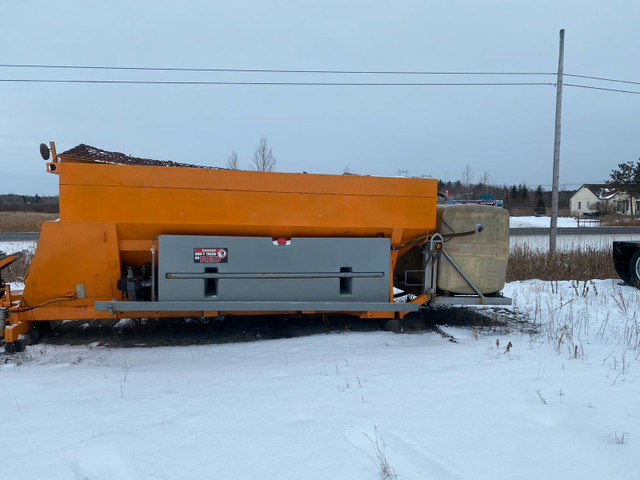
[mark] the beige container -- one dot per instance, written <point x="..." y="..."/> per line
<point x="482" y="256"/>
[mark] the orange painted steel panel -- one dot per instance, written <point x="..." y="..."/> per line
<point x="13" y="331"/>
<point x="69" y="254"/>
<point x="147" y="201"/>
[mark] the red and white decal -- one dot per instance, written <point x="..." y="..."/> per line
<point x="210" y="255"/>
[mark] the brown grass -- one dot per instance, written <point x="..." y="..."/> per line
<point x="582" y="264"/>
<point x="17" y="270"/>
<point x="24" y="221"/>
<point x="619" y="220"/>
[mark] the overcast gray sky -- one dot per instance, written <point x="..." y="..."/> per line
<point x="506" y="131"/>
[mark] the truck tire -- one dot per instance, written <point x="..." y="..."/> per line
<point x="393" y="325"/>
<point x="634" y="269"/>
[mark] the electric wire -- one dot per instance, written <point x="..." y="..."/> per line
<point x="590" y="87"/>
<point x="216" y="82"/>
<point x="305" y="83"/>
<point x="601" y="79"/>
<point x="262" y="70"/>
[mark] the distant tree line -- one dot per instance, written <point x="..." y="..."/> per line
<point x="514" y="196"/>
<point x="32" y="203"/>
<point x="518" y="199"/>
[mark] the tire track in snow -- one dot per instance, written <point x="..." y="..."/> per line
<point x="405" y="455"/>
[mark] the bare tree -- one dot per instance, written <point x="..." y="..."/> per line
<point x="263" y="159"/>
<point x="232" y="161"/>
<point x="467" y="175"/>
<point x="484" y="179"/>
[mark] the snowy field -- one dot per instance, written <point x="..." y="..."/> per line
<point x="553" y="395"/>
<point x="545" y="222"/>
<point x="564" y="243"/>
<point x="568" y="243"/>
<point x="12" y="247"/>
<point x="558" y="403"/>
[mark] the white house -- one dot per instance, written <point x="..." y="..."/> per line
<point x="598" y="198"/>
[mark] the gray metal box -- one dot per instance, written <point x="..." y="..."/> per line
<point x="212" y="268"/>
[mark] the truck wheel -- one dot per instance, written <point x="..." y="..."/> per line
<point x="634" y="269"/>
<point x="14" y="347"/>
<point x="393" y="325"/>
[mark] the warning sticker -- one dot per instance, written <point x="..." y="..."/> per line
<point x="210" y="255"/>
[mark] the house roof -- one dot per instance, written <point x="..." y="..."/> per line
<point x="600" y="190"/>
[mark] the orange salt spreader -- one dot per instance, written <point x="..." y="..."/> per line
<point x="147" y="238"/>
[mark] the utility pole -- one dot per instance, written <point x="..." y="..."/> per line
<point x="556" y="151"/>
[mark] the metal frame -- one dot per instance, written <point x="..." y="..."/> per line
<point x="432" y="259"/>
<point x="127" y="306"/>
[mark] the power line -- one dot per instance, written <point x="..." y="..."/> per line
<point x="261" y="70"/>
<point x="602" y="79"/>
<point x="601" y="88"/>
<point x="333" y="84"/>
<point x="300" y="71"/>
<point x="302" y="83"/>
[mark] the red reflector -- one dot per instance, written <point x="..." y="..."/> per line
<point x="281" y="241"/>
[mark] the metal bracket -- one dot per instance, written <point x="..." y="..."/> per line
<point x="432" y="258"/>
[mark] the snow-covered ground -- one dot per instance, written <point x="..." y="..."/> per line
<point x="553" y="395"/>
<point x="545" y="222"/>
<point x="563" y="242"/>
<point x="560" y="403"/>
<point x="567" y="243"/>
<point x="12" y="247"/>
